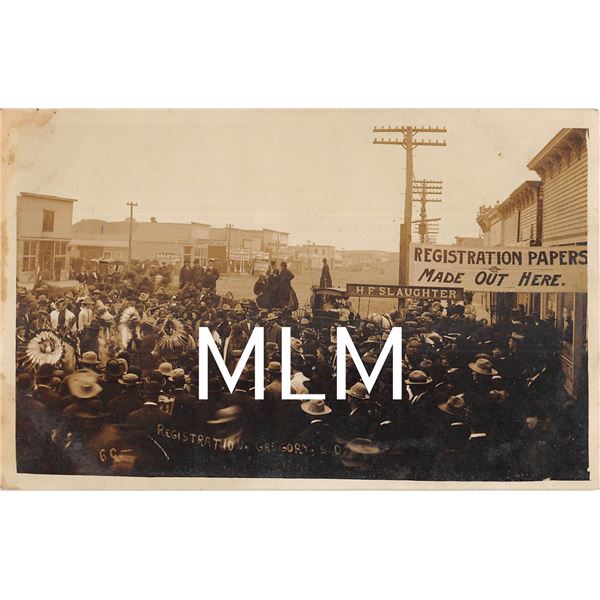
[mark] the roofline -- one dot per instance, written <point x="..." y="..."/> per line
<point x="549" y="147"/>
<point x="47" y="197"/>
<point x="274" y="230"/>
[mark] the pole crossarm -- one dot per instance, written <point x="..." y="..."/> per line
<point x="405" y="128"/>
<point x="415" y="190"/>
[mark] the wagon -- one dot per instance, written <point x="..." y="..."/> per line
<point x="326" y="304"/>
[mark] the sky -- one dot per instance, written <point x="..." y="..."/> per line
<point x="312" y="173"/>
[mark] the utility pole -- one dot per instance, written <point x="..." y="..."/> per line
<point x="409" y="142"/>
<point x="131" y="205"/>
<point x="228" y="227"/>
<point x="422" y="188"/>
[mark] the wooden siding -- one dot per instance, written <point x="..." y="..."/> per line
<point x="528" y="216"/>
<point x="565" y="201"/>
<point x="510" y="229"/>
<point x="496" y="234"/>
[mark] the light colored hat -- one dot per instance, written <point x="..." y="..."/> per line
<point x="177" y="374"/>
<point x="358" y="391"/>
<point x="130" y="379"/>
<point x="274" y="367"/>
<point x="418" y="377"/>
<point x="166" y="369"/>
<point x="296" y="344"/>
<point x="359" y="454"/>
<point x="316" y="408"/>
<point x="83" y="384"/>
<point x="89" y="358"/>
<point x="483" y="366"/>
<point x="453" y="406"/>
<point x="226" y="415"/>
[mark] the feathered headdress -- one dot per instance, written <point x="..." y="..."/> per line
<point x="172" y="336"/>
<point x="44" y="348"/>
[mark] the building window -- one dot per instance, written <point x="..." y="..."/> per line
<point x="60" y="258"/>
<point x="187" y="253"/>
<point x="201" y="253"/>
<point x="29" y="256"/>
<point x="118" y="254"/>
<point x="107" y="255"/>
<point x="518" y="226"/>
<point x="48" y="221"/>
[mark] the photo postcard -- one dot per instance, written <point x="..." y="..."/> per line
<point x="299" y="299"/>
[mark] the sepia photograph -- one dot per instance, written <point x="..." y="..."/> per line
<point x="299" y="298"/>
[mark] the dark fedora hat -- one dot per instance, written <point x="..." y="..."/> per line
<point x="113" y="368"/>
<point x="151" y="388"/>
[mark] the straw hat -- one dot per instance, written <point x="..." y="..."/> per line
<point x="418" y="377"/>
<point x="130" y="379"/>
<point x="89" y="358"/>
<point x="453" y="406"/>
<point x="177" y="375"/>
<point x="359" y="454"/>
<point x="83" y="384"/>
<point x="166" y="369"/>
<point x="316" y="408"/>
<point x="358" y="391"/>
<point x="483" y="366"/>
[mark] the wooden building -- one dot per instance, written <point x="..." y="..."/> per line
<point x="43" y="237"/>
<point x="550" y="212"/>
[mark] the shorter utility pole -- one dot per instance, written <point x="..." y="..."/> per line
<point x="131" y="205"/>
<point x="423" y="188"/>
<point x="228" y="227"/>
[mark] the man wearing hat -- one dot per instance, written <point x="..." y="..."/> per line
<point x="318" y="431"/>
<point x="184" y="404"/>
<point x="86" y="314"/>
<point x="44" y="393"/>
<point x="478" y="395"/>
<point x="31" y="427"/>
<point x="62" y="319"/>
<point x="89" y="338"/>
<point x="271" y="410"/>
<point x="111" y="386"/>
<point x="211" y="276"/>
<point x="197" y="274"/>
<point x="89" y="360"/>
<point x="84" y="392"/>
<point x="185" y="274"/>
<point x="149" y="415"/>
<point x="359" y="417"/>
<point x="121" y="406"/>
<point x="273" y="330"/>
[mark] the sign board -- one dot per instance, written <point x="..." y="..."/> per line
<point x="364" y="290"/>
<point x="257" y="255"/>
<point x="500" y="268"/>
<point x="167" y="256"/>
<point x="239" y="254"/>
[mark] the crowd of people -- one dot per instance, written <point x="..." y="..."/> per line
<point x="107" y="383"/>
